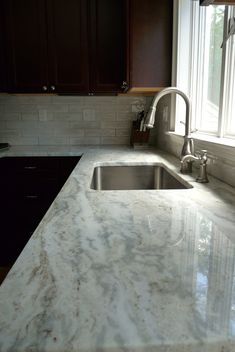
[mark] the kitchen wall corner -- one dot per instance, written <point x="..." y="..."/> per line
<point x="221" y="158"/>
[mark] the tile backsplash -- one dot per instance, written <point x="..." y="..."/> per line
<point x="67" y="120"/>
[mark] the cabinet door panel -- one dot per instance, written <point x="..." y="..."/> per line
<point x="3" y="69"/>
<point x="68" y="42"/>
<point x="150" y="43"/>
<point x="108" y="45"/>
<point x="26" y="42"/>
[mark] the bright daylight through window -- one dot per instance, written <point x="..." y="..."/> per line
<point x="211" y="68"/>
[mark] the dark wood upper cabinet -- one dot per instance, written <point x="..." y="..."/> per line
<point x="108" y="33"/>
<point x="68" y="46"/>
<point x="26" y="45"/>
<point x="3" y="73"/>
<point x="150" y="45"/>
<point x="88" y="46"/>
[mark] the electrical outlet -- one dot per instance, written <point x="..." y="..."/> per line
<point x="165" y="113"/>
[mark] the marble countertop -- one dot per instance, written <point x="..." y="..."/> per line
<point x="135" y="271"/>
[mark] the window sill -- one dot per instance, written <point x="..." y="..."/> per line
<point x="227" y="142"/>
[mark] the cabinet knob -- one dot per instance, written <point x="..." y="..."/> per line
<point x="124" y="86"/>
<point x="44" y="88"/>
<point x="52" y="88"/>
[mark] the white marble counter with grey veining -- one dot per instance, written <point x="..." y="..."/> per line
<point x="135" y="271"/>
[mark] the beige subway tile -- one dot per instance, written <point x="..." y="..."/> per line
<point x="31" y="133"/>
<point x="115" y="124"/>
<point x="70" y="116"/>
<point x="123" y="132"/>
<point x="89" y="115"/>
<point x="3" y="124"/>
<point x="53" y="107"/>
<point x="20" y="140"/>
<point x="21" y="108"/>
<point x="108" y="115"/>
<point x="108" y="132"/>
<point x="93" y="132"/>
<point x="86" y="124"/>
<point x="11" y="116"/>
<point x="71" y="132"/>
<point x="100" y="132"/>
<point x="9" y="133"/>
<point x="51" y="140"/>
<point x="129" y="116"/>
<point x="122" y="140"/>
<point x="75" y="108"/>
<point x="54" y="125"/>
<point x="68" y="100"/>
<point x="85" y="141"/>
<point x="45" y="115"/>
<point x="29" y="116"/>
<point x="21" y="125"/>
<point x="99" y="100"/>
<point x="16" y="100"/>
<point x="4" y="98"/>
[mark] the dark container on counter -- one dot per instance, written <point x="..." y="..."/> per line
<point x="137" y="136"/>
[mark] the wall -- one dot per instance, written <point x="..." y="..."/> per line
<point x="67" y="120"/>
<point x="221" y="158"/>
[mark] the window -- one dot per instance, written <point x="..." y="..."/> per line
<point x="207" y="73"/>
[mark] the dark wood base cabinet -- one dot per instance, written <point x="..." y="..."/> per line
<point x="28" y="187"/>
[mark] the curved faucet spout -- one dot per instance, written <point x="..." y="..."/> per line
<point x="188" y="146"/>
<point x="150" y="118"/>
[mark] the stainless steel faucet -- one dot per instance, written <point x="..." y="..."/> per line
<point x="188" y="146"/>
<point x="202" y="157"/>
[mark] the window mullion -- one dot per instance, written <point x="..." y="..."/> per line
<point x="229" y="82"/>
<point x="200" y="69"/>
<point x="194" y="62"/>
<point x="224" y="79"/>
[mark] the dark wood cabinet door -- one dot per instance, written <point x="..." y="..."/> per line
<point x="28" y="186"/>
<point x="27" y="45"/>
<point x="3" y="69"/>
<point x="150" y="44"/>
<point x="107" y="23"/>
<point x="68" y="46"/>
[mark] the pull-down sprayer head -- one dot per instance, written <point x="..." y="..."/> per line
<point x="150" y="118"/>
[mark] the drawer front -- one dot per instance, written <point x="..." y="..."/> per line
<point x="42" y="188"/>
<point x="30" y="166"/>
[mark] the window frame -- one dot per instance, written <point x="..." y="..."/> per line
<point x="194" y="69"/>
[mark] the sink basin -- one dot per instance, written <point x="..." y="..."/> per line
<point x="131" y="177"/>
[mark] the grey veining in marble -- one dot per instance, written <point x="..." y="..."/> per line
<point x="125" y="271"/>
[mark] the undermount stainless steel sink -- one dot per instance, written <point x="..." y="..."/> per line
<point x="131" y="177"/>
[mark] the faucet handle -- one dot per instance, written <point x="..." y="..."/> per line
<point x="204" y="152"/>
<point x="202" y="155"/>
<point x="201" y="152"/>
